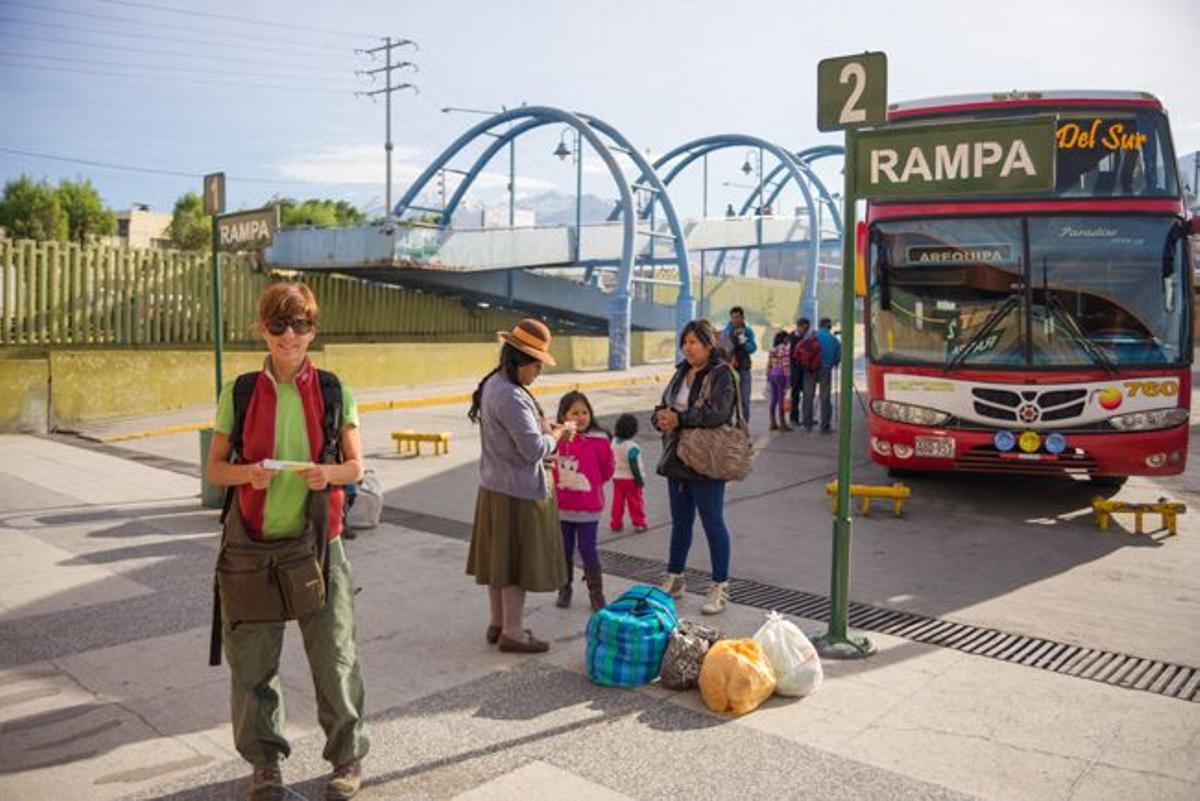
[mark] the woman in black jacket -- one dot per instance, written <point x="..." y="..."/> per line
<point x="690" y="491"/>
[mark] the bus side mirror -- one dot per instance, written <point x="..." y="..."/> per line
<point x="860" y="260"/>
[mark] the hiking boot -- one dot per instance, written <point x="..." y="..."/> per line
<point x="783" y="426"/>
<point x="595" y="585"/>
<point x="718" y="597"/>
<point x="674" y="585"/>
<point x="266" y="783"/>
<point x="345" y="782"/>
<point x="564" y="597"/>
<point x="774" y="426"/>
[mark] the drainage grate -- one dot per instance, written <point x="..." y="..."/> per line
<point x="1118" y="670"/>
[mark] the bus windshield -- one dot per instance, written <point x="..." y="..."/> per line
<point x="1012" y="292"/>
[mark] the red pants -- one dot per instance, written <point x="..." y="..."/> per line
<point x="626" y="491"/>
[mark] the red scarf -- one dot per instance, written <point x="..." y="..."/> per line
<point x="258" y="443"/>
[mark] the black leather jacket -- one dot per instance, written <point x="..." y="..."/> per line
<point x="716" y="411"/>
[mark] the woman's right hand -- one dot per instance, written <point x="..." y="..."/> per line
<point x="260" y="477"/>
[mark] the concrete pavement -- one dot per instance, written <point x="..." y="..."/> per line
<point x="105" y="692"/>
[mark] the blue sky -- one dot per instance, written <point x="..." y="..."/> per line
<point x="193" y="87"/>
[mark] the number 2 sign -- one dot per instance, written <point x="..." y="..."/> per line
<point x="851" y="92"/>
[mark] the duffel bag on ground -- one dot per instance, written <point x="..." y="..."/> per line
<point x="685" y="654"/>
<point x="627" y="638"/>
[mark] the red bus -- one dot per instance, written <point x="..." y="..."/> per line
<point x="1042" y="333"/>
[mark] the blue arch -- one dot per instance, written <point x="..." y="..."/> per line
<point x="595" y="131"/>
<point x="797" y="171"/>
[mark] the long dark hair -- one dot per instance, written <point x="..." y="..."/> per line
<point x="569" y="400"/>
<point x="511" y="360"/>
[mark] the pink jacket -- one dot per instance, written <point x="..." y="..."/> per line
<point x="584" y="465"/>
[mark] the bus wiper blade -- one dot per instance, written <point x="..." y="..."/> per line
<point x="988" y="326"/>
<point x="1073" y="328"/>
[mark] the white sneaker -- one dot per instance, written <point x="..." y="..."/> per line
<point x="718" y="597"/>
<point x="674" y="585"/>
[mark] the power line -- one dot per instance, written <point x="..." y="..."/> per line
<point x="171" y="79"/>
<point x="203" y="42"/>
<point x="221" y="45"/>
<point x="386" y="48"/>
<point x="153" y="24"/>
<point x="229" y="17"/>
<point x="152" y="171"/>
<point x="132" y="65"/>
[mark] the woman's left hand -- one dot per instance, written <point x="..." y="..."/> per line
<point x="667" y="420"/>
<point x="316" y="476"/>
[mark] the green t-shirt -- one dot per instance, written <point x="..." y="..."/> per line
<point x="287" y="495"/>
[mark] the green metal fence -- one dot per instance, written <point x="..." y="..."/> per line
<point x="54" y="294"/>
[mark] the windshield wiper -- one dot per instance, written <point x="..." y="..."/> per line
<point x="990" y="324"/>
<point x="1059" y="309"/>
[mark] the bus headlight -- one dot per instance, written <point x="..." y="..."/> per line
<point x="907" y="413"/>
<point x="1145" y="421"/>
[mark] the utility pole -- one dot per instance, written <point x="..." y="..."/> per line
<point x="386" y="48"/>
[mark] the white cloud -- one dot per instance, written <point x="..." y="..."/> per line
<point x="350" y="164"/>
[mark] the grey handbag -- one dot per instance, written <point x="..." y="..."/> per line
<point x="685" y="652"/>
<point x="724" y="452"/>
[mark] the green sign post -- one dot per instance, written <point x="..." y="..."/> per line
<point x="851" y="93"/>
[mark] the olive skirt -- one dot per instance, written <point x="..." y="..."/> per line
<point x="518" y="542"/>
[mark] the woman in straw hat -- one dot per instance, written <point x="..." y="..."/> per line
<point x="516" y="545"/>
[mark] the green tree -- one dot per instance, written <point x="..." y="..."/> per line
<point x="321" y="213"/>
<point x="32" y="210"/>
<point x="85" y="211"/>
<point x="191" y="228"/>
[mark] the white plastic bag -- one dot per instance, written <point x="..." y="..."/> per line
<point x="368" y="503"/>
<point x="793" y="658"/>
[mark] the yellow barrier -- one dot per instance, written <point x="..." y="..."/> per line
<point x="413" y="440"/>
<point x="1167" y="510"/>
<point x="896" y="493"/>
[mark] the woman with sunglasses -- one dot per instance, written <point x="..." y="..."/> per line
<point x="285" y="422"/>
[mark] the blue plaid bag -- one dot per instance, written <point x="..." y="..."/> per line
<point x="627" y="638"/>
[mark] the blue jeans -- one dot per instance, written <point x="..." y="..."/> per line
<point x="708" y="497"/>
<point x="744" y="388"/>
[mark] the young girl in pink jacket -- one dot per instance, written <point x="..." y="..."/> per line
<point x="584" y="465"/>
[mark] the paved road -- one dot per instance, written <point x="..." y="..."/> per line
<point x="104" y="691"/>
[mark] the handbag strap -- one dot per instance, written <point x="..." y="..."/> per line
<point x="706" y="392"/>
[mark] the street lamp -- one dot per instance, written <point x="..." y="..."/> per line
<point x="512" y="157"/>
<point x="576" y="152"/>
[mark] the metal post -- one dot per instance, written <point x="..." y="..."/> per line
<point x="216" y="314"/>
<point x="837" y="642"/>
<point x="703" y="253"/>
<point x="761" y="210"/>
<point x="387" y="144"/>
<point x="512" y="183"/>
<point x="578" y="193"/>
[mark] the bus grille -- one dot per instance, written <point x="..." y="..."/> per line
<point x="989" y="460"/>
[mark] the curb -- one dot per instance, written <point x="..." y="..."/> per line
<point x="411" y="403"/>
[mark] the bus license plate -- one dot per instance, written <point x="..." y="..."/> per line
<point x="935" y="447"/>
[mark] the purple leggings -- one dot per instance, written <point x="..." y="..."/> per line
<point x="586" y="533"/>
<point x="779" y="388"/>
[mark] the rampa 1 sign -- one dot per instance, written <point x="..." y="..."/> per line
<point x="965" y="159"/>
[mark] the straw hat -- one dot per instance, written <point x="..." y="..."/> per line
<point x="532" y="338"/>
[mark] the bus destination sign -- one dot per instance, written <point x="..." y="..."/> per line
<point x="1014" y="156"/>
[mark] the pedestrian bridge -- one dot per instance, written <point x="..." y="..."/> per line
<point x="417" y="246"/>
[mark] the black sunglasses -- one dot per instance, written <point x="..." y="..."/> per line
<point x="301" y="325"/>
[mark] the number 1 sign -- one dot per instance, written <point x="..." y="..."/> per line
<point x="851" y="92"/>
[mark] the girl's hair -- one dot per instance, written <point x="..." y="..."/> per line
<point x="569" y="400"/>
<point x="781" y="338"/>
<point x="626" y="427"/>
<point x="511" y="360"/>
<point x="287" y="300"/>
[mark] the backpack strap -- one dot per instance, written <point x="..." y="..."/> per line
<point x="243" y="391"/>
<point x="331" y="422"/>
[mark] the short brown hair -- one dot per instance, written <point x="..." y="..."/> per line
<point x="286" y="300"/>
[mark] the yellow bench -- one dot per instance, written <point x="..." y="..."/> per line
<point x="407" y="440"/>
<point x="896" y="493"/>
<point x="1168" y="510"/>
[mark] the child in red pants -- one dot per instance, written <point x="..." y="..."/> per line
<point x="628" y="476"/>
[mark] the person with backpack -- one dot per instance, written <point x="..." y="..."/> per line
<point x="807" y="357"/>
<point x="286" y="441"/>
<point x="830" y="350"/>
<point x="796" y="376"/>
